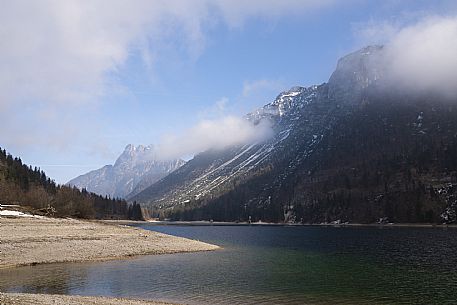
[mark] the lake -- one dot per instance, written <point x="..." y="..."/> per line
<point x="270" y="265"/>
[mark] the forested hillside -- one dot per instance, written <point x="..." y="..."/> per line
<point x="24" y="185"/>
<point x="389" y="160"/>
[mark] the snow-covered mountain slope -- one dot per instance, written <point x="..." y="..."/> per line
<point x="346" y="150"/>
<point x="134" y="170"/>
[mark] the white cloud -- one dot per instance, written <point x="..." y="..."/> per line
<point x="213" y="134"/>
<point x="419" y="56"/>
<point x="58" y="51"/>
<point x="217" y="129"/>
<point x="423" y="56"/>
<point x="62" y="51"/>
<point x="59" y="56"/>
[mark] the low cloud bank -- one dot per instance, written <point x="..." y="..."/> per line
<point x="420" y="57"/>
<point x="213" y="134"/>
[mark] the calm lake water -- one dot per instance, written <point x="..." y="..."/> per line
<point x="270" y="265"/>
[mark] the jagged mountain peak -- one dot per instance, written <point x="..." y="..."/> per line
<point x="286" y="103"/>
<point x="136" y="154"/>
<point x="139" y="148"/>
<point x="294" y="91"/>
<point x="135" y="169"/>
<point x="285" y="99"/>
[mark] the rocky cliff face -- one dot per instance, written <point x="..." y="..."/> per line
<point x="134" y="170"/>
<point x="347" y="150"/>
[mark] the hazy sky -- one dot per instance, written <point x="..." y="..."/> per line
<point x="79" y="80"/>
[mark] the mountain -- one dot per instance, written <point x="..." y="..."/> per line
<point x="351" y="150"/>
<point x="134" y="170"/>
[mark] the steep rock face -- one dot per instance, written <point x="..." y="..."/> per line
<point x="347" y="150"/>
<point x="354" y="73"/>
<point x="134" y="170"/>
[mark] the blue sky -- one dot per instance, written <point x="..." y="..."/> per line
<point x="80" y="81"/>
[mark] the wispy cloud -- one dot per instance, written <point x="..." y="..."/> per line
<point x="418" y="56"/>
<point x="61" y="52"/>
<point x="213" y="134"/>
<point x="61" y="55"/>
<point x="218" y="128"/>
<point x="423" y="56"/>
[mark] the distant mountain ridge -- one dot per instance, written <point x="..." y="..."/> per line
<point x="346" y="150"/>
<point x="134" y="170"/>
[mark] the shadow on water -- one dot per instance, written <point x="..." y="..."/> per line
<point x="270" y="265"/>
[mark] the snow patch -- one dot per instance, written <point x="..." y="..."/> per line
<point x="18" y="214"/>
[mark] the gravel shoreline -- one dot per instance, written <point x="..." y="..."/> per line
<point x="31" y="241"/>
<point x="46" y="299"/>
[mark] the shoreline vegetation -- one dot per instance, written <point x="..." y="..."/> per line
<point x="32" y="190"/>
<point x="228" y="223"/>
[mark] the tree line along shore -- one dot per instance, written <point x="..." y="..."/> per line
<point x="24" y="185"/>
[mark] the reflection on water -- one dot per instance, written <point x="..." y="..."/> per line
<point x="270" y="265"/>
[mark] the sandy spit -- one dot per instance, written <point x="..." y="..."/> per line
<point x="31" y="241"/>
<point x="47" y="299"/>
